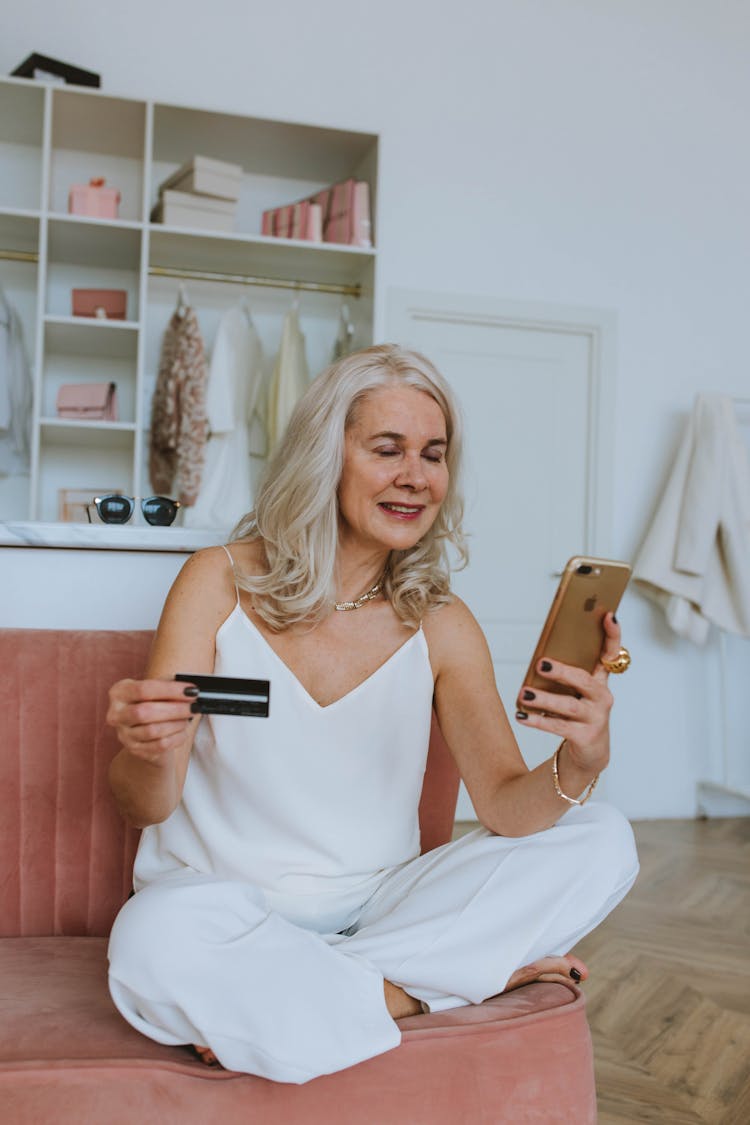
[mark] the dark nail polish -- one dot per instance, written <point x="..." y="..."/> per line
<point x="191" y="691"/>
<point x="614" y="618"/>
<point x="529" y="694"/>
<point x="575" y="975"/>
<point x="521" y="715"/>
<point x="546" y="666"/>
<point x="194" y="708"/>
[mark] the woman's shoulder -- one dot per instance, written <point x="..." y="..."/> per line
<point x="209" y="562"/>
<point x="456" y="641"/>
<point x="451" y="626"/>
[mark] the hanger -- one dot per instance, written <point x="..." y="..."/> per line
<point x="183" y="302"/>
<point x="346" y="324"/>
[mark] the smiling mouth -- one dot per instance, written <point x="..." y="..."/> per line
<point x="403" y="511"/>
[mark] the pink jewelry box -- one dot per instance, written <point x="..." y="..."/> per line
<point x="105" y="304"/>
<point x="94" y="199"/>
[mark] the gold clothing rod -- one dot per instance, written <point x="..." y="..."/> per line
<point x="246" y="279"/>
<point x="19" y="255"/>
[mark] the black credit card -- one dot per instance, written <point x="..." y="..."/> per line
<point x="229" y="695"/>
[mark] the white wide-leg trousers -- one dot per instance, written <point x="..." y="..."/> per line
<point x="200" y="959"/>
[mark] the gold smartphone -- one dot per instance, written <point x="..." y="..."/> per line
<point x="573" y="632"/>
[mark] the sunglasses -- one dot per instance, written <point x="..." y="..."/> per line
<point x="159" y="511"/>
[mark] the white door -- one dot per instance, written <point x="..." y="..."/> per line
<point x="530" y="384"/>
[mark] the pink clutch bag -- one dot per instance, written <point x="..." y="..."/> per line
<point x="88" y="402"/>
<point x="108" y="304"/>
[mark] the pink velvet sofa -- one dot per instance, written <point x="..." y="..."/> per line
<point x="66" y="1055"/>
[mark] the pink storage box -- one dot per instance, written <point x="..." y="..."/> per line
<point x="94" y="199"/>
<point x="107" y="304"/>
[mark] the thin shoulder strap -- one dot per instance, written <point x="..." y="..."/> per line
<point x="231" y="560"/>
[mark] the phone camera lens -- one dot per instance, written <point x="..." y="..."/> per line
<point x="584" y="569"/>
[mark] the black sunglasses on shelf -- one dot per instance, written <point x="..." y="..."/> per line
<point x="159" y="511"/>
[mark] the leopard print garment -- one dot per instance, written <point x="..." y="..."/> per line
<point x="179" y="424"/>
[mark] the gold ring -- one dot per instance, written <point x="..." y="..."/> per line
<point x="620" y="664"/>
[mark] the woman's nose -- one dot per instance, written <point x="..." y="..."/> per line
<point x="411" y="472"/>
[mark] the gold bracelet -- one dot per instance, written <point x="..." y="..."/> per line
<point x="556" y="780"/>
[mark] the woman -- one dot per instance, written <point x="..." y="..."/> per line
<point x="284" y="921"/>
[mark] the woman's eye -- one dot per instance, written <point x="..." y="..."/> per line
<point x="387" y="452"/>
<point x="436" y="458"/>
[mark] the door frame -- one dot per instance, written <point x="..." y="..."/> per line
<point x="405" y="307"/>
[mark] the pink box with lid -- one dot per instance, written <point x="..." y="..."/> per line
<point x="94" y="199"/>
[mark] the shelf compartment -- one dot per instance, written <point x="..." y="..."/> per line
<point x="96" y="135"/>
<point x="281" y="161"/>
<point x="94" y="242"/>
<point x="21" y="133"/>
<point x="87" y="254"/>
<point x="61" y="369"/>
<point x="83" y="336"/>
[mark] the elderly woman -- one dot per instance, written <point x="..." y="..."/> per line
<point x="284" y="920"/>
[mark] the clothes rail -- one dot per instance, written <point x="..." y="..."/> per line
<point x="354" y="290"/>
<point x="19" y="256"/>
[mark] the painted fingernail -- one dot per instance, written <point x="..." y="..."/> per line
<point x="546" y="666"/>
<point x="192" y="691"/>
<point x="194" y="708"/>
<point x="521" y="715"/>
<point x="614" y="618"/>
<point x="529" y="694"/>
<point x="575" y="975"/>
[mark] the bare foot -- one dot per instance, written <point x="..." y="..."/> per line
<point x="561" y="969"/>
<point x="206" y="1055"/>
<point x="400" y="1004"/>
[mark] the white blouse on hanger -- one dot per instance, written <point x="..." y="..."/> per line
<point x="290" y="378"/>
<point x="15" y="394"/>
<point x="234" y="382"/>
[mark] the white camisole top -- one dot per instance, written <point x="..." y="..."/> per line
<point x="312" y="805"/>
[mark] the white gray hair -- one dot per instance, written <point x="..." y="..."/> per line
<point x="296" y="511"/>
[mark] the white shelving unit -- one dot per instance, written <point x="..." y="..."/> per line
<point x="52" y="137"/>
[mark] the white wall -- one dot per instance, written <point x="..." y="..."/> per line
<point x="568" y="151"/>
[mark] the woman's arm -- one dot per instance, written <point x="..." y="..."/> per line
<point x="510" y="799"/>
<point x="152" y="716"/>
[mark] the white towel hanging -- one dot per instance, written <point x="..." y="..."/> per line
<point x="695" y="559"/>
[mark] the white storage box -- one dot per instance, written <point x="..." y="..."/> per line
<point x="206" y="177"/>
<point x="182" y="209"/>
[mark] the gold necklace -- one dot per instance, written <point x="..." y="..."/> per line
<point x="342" y="607"/>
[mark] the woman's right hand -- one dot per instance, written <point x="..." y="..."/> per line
<point x="151" y="717"/>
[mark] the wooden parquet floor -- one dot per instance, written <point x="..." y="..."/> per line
<point x="669" y="993"/>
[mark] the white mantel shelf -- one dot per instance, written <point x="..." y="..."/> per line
<point x="91" y="537"/>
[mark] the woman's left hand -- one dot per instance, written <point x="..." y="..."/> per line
<point x="581" y="719"/>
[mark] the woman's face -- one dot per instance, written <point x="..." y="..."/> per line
<point x="395" y="476"/>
